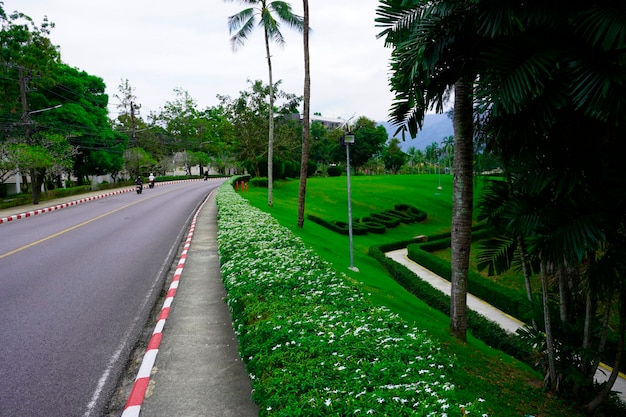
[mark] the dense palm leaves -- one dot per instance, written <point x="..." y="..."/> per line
<point x="549" y="94"/>
<point x="435" y="48"/>
<point x="262" y="13"/>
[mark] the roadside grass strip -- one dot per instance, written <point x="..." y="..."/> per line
<point x="312" y="343"/>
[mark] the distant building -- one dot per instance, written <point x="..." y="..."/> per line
<point x="328" y="122"/>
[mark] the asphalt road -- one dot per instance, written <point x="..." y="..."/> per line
<point x="77" y="287"/>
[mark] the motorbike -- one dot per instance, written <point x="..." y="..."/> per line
<point x="139" y="188"/>
<point x="151" y="184"/>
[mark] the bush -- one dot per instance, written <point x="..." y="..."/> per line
<point x="311" y="168"/>
<point x="258" y="182"/>
<point x="334" y="171"/>
<point x="487" y="331"/>
<point x="312" y="343"/>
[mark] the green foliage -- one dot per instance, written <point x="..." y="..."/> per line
<point x="480" y="327"/>
<point x="376" y="222"/>
<point x="312" y="344"/>
<point x="334" y="171"/>
<point x="258" y="182"/>
<point x="511" y="301"/>
<point x="508" y="387"/>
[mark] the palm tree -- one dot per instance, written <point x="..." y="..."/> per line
<point x="243" y="23"/>
<point x="550" y="78"/>
<point x="448" y="149"/>
<point x="435" y="49"/>
<point x="306" y="120"/>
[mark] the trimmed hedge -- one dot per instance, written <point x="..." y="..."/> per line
<point x="487" y="331"/>
<point x="508" y="300"/>
<point x="334" y="171"/>
<point x="376" y="222"/>
<point x="340" y="227"/>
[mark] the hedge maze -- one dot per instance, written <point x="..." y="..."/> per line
<point x="375" y="222"/>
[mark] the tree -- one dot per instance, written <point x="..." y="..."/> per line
<point x="248" y="115"/>
<point x="369" y="141"/>
<point x="435" y="48"/>
<point x="415" y="158"/>
<point x="432" y="155"/>
<point x="26" y="53"/>
<point x="306" y="118"/>
<point x="393" y="156"/>
<point x="242" y="24"/>
<point x="549" y="79"/>
<point x="82" y="117"/>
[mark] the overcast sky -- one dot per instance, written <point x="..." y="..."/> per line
<point x="160" y="45"/>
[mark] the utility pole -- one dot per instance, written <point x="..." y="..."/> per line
<point x="132" y="124"/>
<point x="27" y="122"/>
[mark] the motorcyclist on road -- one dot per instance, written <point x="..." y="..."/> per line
<point x="151" y="180"/>
<point x="139" y="183"/>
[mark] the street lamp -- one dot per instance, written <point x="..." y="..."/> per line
<point x="348" y="140"/>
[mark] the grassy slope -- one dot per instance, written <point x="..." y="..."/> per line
<point x="509" y="387"/>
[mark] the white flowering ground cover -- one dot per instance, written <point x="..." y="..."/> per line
<point x="312" y="343"/>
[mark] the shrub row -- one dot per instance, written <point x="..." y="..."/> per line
<point x="312" y="343"/>
<point x="482" y="328"/>
<point x="376" y="222"/>
<point x="506" y="299"/>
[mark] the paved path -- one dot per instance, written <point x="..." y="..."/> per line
<point x="505" y="321"/>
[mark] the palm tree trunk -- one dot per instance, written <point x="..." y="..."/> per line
<point x="593" y="405"/>
<point x="270" y="142"/>
<point x="462" y="205"/>
<point x="306" y="120"/>
<point x="548" y="327"/>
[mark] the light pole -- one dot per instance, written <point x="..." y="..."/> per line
<point x="348" y="140"/>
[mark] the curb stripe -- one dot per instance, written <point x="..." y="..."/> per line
<point x="75" y="202"/>
<point x="60" y="206"/>
<point x="140" y="386"/>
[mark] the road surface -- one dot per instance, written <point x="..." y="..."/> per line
<point x="77" y="288"/>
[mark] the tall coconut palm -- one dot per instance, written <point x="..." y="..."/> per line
<point x="435" y="47"/>
<point x="262" y="13"/>
<point x="306" y="119"/>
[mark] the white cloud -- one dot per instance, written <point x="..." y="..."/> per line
<point x="160" y="45"/>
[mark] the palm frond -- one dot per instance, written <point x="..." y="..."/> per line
<point x="242" y="24"/>
<point x="496" y="255"/>
<point x="285" y="14"/>
<point x="602" y="27"/>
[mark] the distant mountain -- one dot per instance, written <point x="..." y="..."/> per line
<point x="436" y="128"/>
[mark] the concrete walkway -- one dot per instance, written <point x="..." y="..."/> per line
<point x="197" y="372"/>
<point x="505" y="321"/>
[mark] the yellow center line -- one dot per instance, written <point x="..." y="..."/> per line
<point x="37" y="242"/>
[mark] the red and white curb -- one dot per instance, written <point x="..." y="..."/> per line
<point x="75" y="202"/>
<point x="138" y="392"/>
<point x="60" y="206"/>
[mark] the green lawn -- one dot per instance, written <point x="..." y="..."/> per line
<point x="509" y="387"/>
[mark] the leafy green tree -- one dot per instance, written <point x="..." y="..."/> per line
<point x="267" y="14"/>
<point x="324" y="144"/>
<point x="393" y="156"/>
<point x="137" y="162"/>
<point x="82" y="117"/>
<point x="248" y="115"/>
<point x="26" y="53"/>
<point x="181" y="120"/>
<point x="369" y="141"/>
<point x="555" y="83"/>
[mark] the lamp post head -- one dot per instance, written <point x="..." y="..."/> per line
<point x="348" y="138"/>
